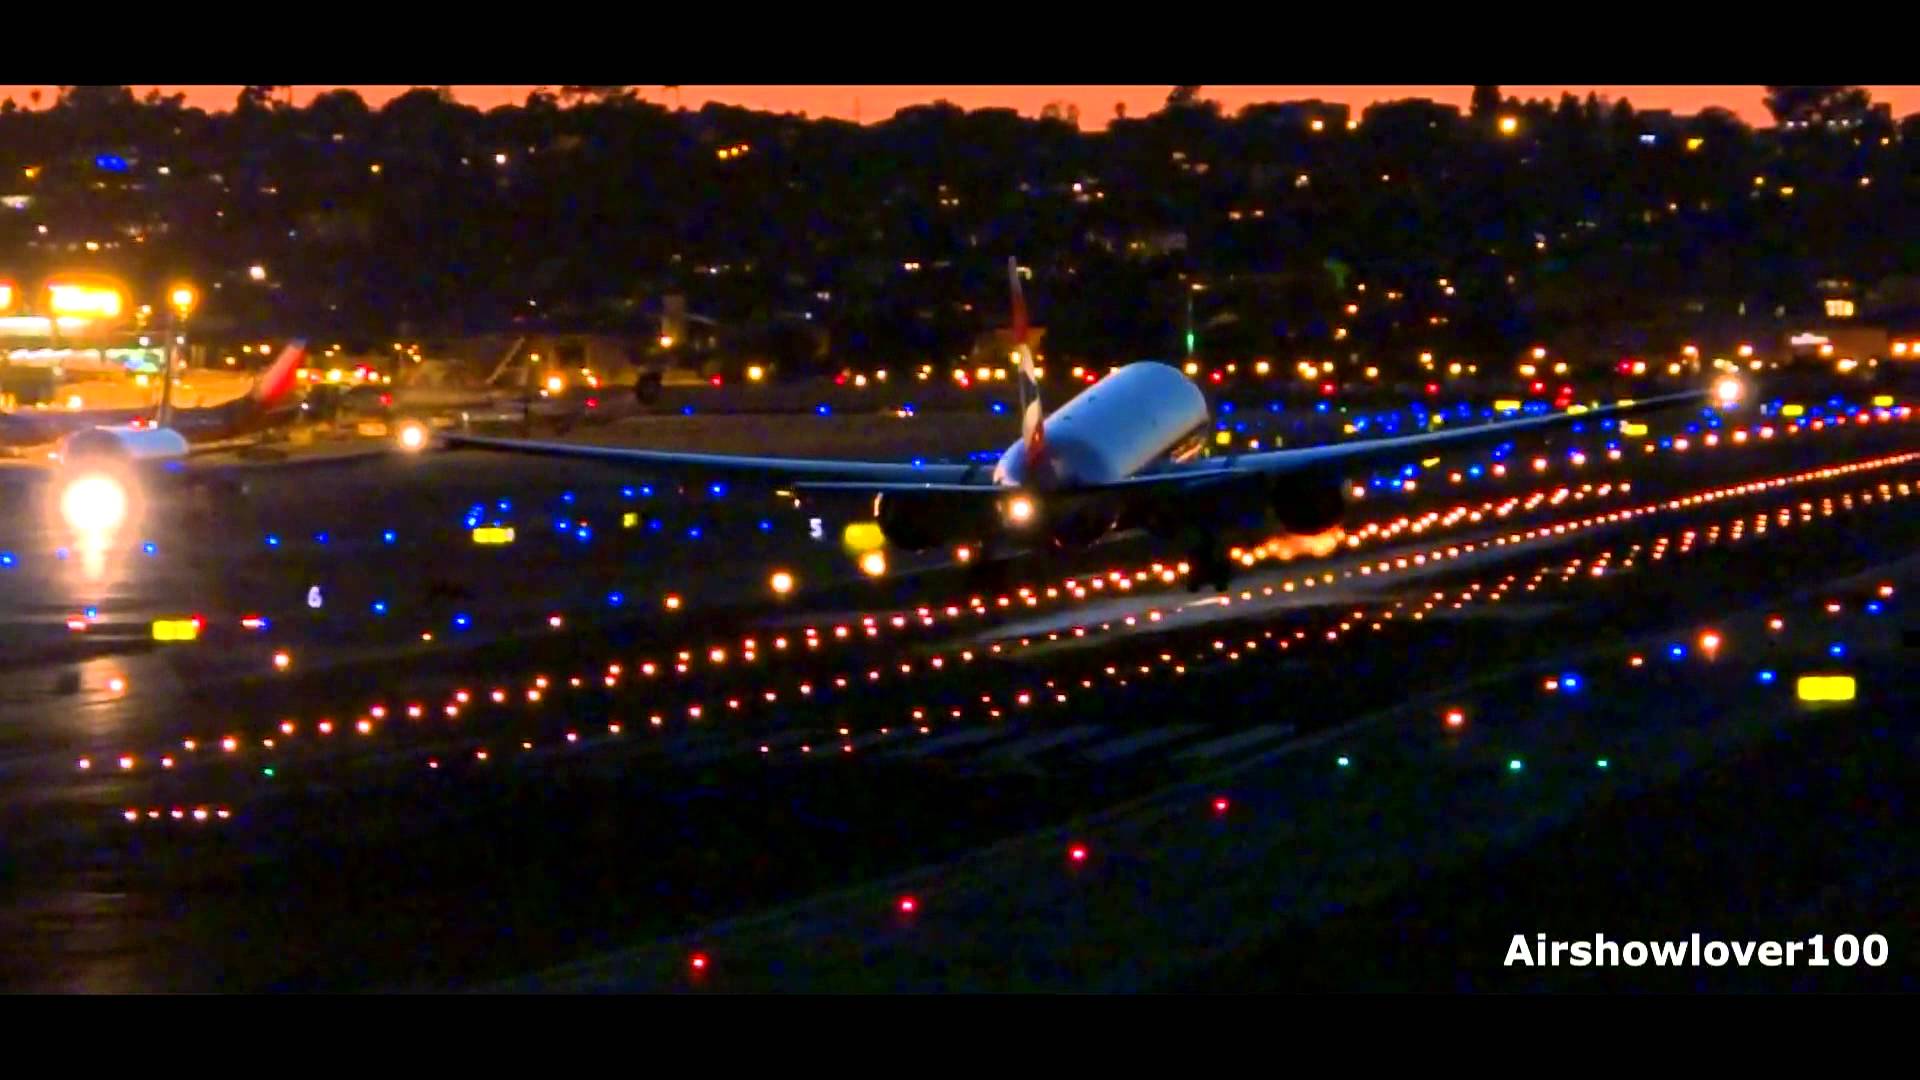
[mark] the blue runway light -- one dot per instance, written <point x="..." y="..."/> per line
<point x="1873" y="607"/>
<point x="997" y="408"/>
<point x="462" y="622"/>
<point x="1767" y="676"/>
<point x="388" y="536"/>
<point x="320" y="538"/>
<point x="626" y="493"/>
<point x="686" y="410"/>
<point x="1320" y="406"/>
<point x="149" y="547"/>
<point x="583" y="534"/>
<point x="615" y="599"/>
<point x="655" y="524"/>
<point x="765" y="525"/>
<point x="717" y="490"/>
<point x="693" y="532"/>
<point x="823" y="409"/>
<point x="566" y="497"/>
<point x="6" y="558"/>
<point x="646" y="490"/>
<point x="90" y="611"/>
<point x="504" y="505"/>
<point x="1676" y="651"/>
<point x="379" y="607"/>
<point x="1836" y="649"/>
<point x="1570" y="682"/>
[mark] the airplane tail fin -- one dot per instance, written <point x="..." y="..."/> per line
<point x="273" y="384"/>
<point x="1032" y="412"/>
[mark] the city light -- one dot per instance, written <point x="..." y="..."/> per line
<point x="85" y="300"/>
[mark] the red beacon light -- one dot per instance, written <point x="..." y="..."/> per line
<point x="908" y="905"/>
<point x="1077" y="853"/>
<point x="1220" y="804"/>
<point x="698" y="962"/>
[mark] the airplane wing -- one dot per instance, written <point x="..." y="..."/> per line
<point x="873" y="475"/>
<point x="1366" y="453"/>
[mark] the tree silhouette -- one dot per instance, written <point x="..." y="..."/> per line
<point x="1486" y="102"/>
<point x="1183" y="97"/>
<point x="256" y="97"/>
<point x="90" y="98"/>
<point x="580" y="95"/>
<point x="1807" y="105"/>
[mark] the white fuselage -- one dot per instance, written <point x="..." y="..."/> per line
<point x="1126" y="422"/>
<point x="124" y="443"/>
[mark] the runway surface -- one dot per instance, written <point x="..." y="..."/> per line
<point x="583" y="758"/>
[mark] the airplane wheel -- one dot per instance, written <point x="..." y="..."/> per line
<point x="1210" y="566"/>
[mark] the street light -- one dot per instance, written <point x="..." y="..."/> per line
<point x="180" y="301"/>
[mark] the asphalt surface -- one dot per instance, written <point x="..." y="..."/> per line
<point x="600" y="835"/>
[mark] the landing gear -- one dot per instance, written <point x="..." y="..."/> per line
<point x="987" y="570"/>
<point x="1208" y="565"/>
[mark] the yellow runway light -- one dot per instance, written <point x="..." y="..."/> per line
<point x="862" y="536"/>
<point x="1628" y="427"/>
<point x="1825" y="688"/>
<point x="175" y="630"/>
<point x="489" y="534"/>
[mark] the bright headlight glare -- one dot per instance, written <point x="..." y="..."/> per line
<point x="94" y="504"/>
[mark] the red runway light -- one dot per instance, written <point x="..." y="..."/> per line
<point x="1220" y="804"/>
<point x="1078" y="853"/>
<point x="908" y="905"/>
<point x="698" y="962"/>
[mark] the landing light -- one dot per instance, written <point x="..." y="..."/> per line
<point x="95" y="503"/>
<point x="873" y="563"/>
<point x="1020" y="510"/>
<point x="781" y="582"/>
<point x="1727" y="391"/>
<point x="413" y="437"/>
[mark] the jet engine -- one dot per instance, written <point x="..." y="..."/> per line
<point x="1307" y="505"/>
<point x="919" y="521"/>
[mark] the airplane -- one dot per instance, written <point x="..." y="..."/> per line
<point x="102" y="472"/>
<point x="268" y="404"/>
<point x="1127" y="453"/>
<point x="507" y="396"/>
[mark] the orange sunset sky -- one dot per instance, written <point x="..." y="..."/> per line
<point x="870" y="103"/>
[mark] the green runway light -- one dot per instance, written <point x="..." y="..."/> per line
<point x="1602" y="763"/>
<point x="1514" y="765"/>
<point x="267" y="772"/>
<point x="1344" y="761"/>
